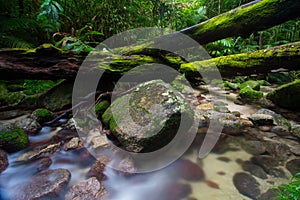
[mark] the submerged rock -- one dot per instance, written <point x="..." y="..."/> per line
<point x="97" y="169"/>
<point x="287" y="95"/>
<point x="246" y="185"/>
<point x="255" y="170"/>
<point x="293" y="166"/>
<point x="147" y="119"/>
<point x="39" y="152"/>
<point x="3" y="161"/>
<point x="90" y="189"/>
<point x="47" y="184"/>
<point x="189" y="170"/>
<point x="265" y="161"/>
<point x="12" y="138"/>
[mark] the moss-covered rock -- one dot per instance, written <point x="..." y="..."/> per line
<point x="148" y="118"/>
<point x="58" y="97"/>
<point x="230" y="85"/>
<point x="287" y="95"/>
<point x="42" y="115"/>
<point x="255" y="85"/>
<point x="12" y="138"/>
<point x="247" y="93"/>
<point x="101" y="107"/>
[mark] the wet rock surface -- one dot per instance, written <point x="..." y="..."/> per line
<point x="143" y="123"/>
<point x="3" y="161"/>
<point x="246" y="185"/>
<point x="30" y="126"/>
<point x="44" y="185"/>
<point x="293" y="166"/>
<point x="40" y="152"/>
<point x="90" y="189"/>
<point x="12" y="138"/>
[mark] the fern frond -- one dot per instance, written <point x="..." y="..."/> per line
<point x="14" y="42"/>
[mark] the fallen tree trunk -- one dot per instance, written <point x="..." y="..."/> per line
<point x="262" y="61"/>
<point x="39" y="67"/>
<point x="244" y="20"/>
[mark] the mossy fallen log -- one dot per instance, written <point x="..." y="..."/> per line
<point x="255" y="16"/>
<point x="261" y="61"/>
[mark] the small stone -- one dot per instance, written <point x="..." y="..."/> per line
<point x="30" y="126"/>
<point x="261" y="119"/>
<point x="100" y="142"/>
<point x="265" y="161"/>
<point x="268" y="195"/>
<point x="281" y="130"/>
<point x="277" y="172"/>
<point x="293" y="166"/>
<point x="246" y="185"/>
<point x="74" y="143"/>
<point x="189" y="170"/>
<point x="255" y="170"/>
<point x="39" y="152"/>
<point x="296" y="131"/>
<point x="90" y="189"/>
<point x="253" y="147"/>
<point x="278" y="150"/>
<point x="97" y="169"/>
<point x="3" y="161"/>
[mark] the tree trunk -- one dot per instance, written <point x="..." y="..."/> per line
<point x="44" y="64"/>
<point x="261" y="61"/>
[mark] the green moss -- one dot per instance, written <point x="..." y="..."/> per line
<point x="13" y="138"/>
<point x="172" y="59"/>
<point x="255" y="85"/>
<point x="44" y="47"/>
<point x="42" y="115"/>
<point x="287" y="95"/>
<point x="231" y="86"/>
<point x="240" y="15"/>
<point x="249" y="93"/>
<point x="101" y="107"/>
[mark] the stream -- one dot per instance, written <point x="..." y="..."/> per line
<point x="188" y="178"/>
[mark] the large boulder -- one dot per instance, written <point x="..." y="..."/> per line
<point x="58" y="97"/>
<point x="12" y="138"/>
<point x="47" y="184"/>
<point x="147" y="119"/>
<point x="287" y="95"/>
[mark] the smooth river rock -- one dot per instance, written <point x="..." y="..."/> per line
<point x="47" y="184"/>
<point x="246" y="185"/>
<point x="90" y="189"/>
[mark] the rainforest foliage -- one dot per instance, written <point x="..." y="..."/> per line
<point x="81" y="25"/>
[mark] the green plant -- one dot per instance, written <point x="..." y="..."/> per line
<point x="291" y="190"/>
<point x="49" y="16"/>
<point x="79" y="41"/>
